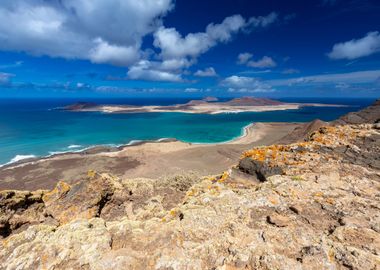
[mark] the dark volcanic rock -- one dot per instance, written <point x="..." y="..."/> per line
<point x="368" y="115"/>
<point x="260" y="170"/>
<point x="79" y="106"/>
<point x="250" y="101"/>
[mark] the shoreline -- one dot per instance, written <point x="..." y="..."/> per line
<point x="107" y="148"/>
<point x="146" y="159"/>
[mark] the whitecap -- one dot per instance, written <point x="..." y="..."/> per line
<point x="74" y="146"/>
<point x="20" y="157"/>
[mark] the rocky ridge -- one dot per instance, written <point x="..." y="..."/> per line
<point x="313" y="204"/>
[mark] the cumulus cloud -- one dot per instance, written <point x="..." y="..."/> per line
<point x="357" y="48"/>
<point x="102" y="31"/>
<point x="264" y="62"/>
<point x="208" y="72"/>
<point x="173" y="45"/>
<point x="263" y="21"/>
<point x="243" y="58"/>
<point x="152" y="71"/>
<point x="177" y="53"/>
<point x="246" y="84"/>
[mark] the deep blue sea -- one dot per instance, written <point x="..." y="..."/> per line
<point x="32" y="127"/>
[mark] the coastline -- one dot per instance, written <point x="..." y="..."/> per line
<point x="141" y="159"/>
<point x="105" y="148"/>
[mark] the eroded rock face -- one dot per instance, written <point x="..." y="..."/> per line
<point x="321" y="211"/>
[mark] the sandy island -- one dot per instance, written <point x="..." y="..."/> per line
<point x="236" y="105"/>
<point x="145" y="160"/>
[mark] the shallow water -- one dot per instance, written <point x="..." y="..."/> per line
<point x="33" y="128"/>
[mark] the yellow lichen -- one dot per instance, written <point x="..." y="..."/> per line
<point x="91" y="174"/>
<point x="224" y="177"/>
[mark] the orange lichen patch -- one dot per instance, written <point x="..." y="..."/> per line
<point x="318" y="194"/>
<point x="60" y="190"/>
<point x="273" y="200"/>
<point x="173" y="212"/>
<point x="331" y="255"/>
<point x="224" y="177"/>
<point x="330" y="200"/>
<point x="91" y="174"/>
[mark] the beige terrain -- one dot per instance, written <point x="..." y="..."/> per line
<point x="144" y="160"/>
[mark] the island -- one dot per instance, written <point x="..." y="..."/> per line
<point x="207" y="105"/>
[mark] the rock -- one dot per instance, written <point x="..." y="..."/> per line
<point x="258" y="169"/>
<point x="278" y="220"/>
<point x="371" y="114"/>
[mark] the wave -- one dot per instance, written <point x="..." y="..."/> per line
<point x="18" y="158"/>
<point x="73" y="146"/>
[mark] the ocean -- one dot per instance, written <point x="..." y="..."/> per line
<point x="35" y="128"/>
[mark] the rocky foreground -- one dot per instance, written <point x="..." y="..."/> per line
<point x="307" y="205"/>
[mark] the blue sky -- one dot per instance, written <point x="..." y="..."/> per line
<point x="76" y="48"/>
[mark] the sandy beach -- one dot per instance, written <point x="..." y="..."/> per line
<point x="146" y="160"/>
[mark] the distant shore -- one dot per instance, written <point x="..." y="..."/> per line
<point x="141" y="159"/>
<point x="237" y="105"/>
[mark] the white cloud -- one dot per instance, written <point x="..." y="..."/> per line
<point x="357" y="48"/>
<point x="178" y="52"/>
<point x="208" y="72"/>
<point x="113" y="54"/>
<point x="243" y="58"/>
<point x="103" y="31"/>
<point x="263" y="21"/>
<point x="358" y="77"/>
<point x="173" y="45"/>
<point x="264" y="62"/>
<point x="246" y="84"/>
<point x="150" y="71"/>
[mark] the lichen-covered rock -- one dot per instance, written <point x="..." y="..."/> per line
<point x="320" y="212"/>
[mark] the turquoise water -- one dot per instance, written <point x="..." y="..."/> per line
<point x="34" y="128"/>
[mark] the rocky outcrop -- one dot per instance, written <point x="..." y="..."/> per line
<point x="317" y="207"/>
<point x="251" y="101"/>
<point x="370" y="114"/>
<point x="302" y="132"/>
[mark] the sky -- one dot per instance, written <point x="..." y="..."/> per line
<point x="153" y="48"/>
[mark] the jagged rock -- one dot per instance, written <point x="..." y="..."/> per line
<point x="369" y="115"/>
<point x="258" y="169"/>
<point x="19" y="209"/>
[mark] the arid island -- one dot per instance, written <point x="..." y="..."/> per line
<point x="206" y="106"/>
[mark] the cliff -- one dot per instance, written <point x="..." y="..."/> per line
<point x="312" y="204"/>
